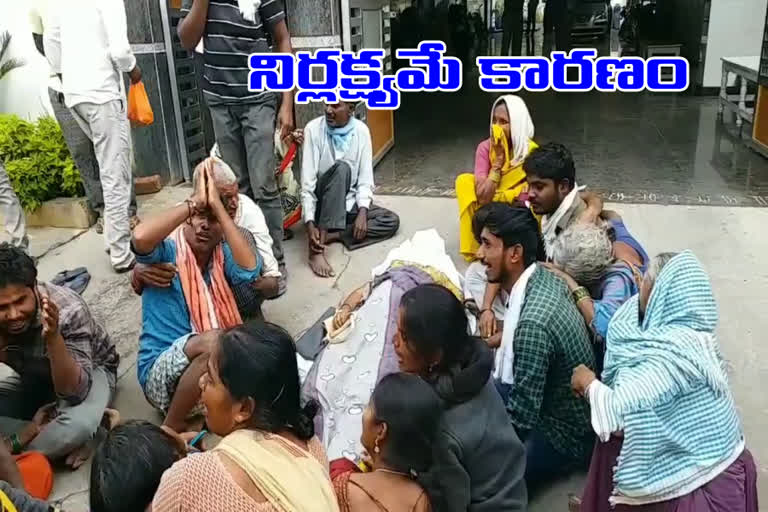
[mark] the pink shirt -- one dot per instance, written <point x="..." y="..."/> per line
<point x="483" y="160"/>
<point x="483" y="165"/>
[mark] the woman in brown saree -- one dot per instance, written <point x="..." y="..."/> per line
<point x="399" y="430"/>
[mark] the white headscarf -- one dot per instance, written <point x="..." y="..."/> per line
<point x="520" y="126"/>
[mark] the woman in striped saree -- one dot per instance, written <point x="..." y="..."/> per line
<point x="671" y="439"/>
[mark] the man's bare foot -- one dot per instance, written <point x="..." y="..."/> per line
<point x="79" y="457"/>
<point x="334" y="237"/>
<point x="319" y="265"/>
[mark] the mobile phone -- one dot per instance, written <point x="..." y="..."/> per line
<point x="197" y="438"/>
<point x="39" y="312"/>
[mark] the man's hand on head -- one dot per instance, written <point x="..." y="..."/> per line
<point x="212" y="194"/>
<point x="200" y="195"/>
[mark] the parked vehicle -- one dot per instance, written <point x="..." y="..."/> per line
<point x="590" y="18"/>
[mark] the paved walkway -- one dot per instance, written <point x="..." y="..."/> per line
<point x="730" y="241"/>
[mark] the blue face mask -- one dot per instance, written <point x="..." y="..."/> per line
<point x="341" y="136"/>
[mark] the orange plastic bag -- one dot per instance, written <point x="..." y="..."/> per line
<point x="139" y="110"/>
<point x="36" y="474"/>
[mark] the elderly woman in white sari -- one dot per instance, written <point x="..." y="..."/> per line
<point x="671" y="439"/>
<point x="360" y="351"/>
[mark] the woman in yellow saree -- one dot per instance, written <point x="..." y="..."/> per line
<point x="499" y="174"/>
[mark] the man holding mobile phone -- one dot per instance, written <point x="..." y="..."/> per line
<point x="59" y="354"/>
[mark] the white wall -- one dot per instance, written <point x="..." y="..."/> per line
<point x="735" y="30"/>
<point x="23" y="91"/>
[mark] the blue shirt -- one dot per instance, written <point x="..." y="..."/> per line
<point x="616" y="287"/>
<point x="164" y="313"/>
<point x="623" y="235"/>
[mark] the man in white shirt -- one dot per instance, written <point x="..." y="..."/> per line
<point x="337" y="186"/>
<point x="93" y="55"/>
<point x="46" y="34"/>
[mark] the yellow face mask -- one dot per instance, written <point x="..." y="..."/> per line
<point x="499" y="137"/>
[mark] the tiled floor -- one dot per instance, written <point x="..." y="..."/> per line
<point x="638" y="148"/>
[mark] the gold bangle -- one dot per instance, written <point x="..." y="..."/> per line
<point x="580" y="294"/>
<point x="494" y="176"/>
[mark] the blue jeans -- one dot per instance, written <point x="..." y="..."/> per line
<point x="543" y="463"/>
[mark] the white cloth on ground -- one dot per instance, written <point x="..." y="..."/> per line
<point x="505" y="354"/>
<point x="304" y="365"/>
<point x="348" y="372"/>
<point x="318" y="155"/>
<point x="549" y="223"/>
<point x="424" y="248"/>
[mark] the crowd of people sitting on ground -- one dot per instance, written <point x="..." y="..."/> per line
<point x="563" y="348"/>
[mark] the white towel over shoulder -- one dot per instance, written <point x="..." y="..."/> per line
<point x="505" y="354"/>
<point x="248" y="9"/>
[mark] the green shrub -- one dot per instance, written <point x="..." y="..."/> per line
<point x="37" y="160"/>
